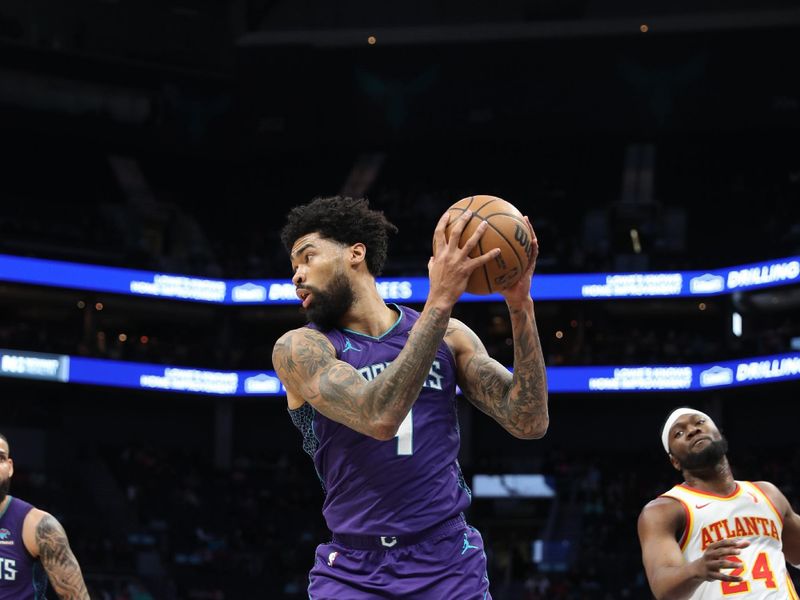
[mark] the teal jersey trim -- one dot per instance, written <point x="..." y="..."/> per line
<point x="385" y="333"/>
<point x="10" y="499"/>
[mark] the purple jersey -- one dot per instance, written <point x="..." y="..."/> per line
<point x="403" y="485"/>
<point x="22" y="577"/>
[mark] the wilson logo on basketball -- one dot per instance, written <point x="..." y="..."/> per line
<point x="524" y="240"/>
<point x="507" y="279"/>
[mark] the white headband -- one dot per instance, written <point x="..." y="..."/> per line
<point x="677" y="414"/>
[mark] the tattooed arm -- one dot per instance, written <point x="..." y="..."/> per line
<point x="518" y="402"/>
<point x="46" y="540"/>
<point x="307" y="365"/>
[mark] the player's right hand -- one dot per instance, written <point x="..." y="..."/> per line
<point x="450" y="266"/>
<point x="717" y="557"/>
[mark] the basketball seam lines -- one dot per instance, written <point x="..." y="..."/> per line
<point x="503" y="214"/>
<point x="488" y="202"/>
<point x="510" y="245"/>
<point x="485" y="271"/>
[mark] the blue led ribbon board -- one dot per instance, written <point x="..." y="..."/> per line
<point x="583" y="380"/>
<point x="584" y="286"/>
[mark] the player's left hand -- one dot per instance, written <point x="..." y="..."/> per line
<point x="521" y="290"/>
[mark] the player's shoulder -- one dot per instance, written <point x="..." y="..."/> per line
<point x="460" y="338"/>
<point x="456" y="324"/>
<point x="299" y="354"/>
<point x="773" y="493"/>
<point x="662" y="504"/>
<point x="30" y="525"/>
<point x="299" y="338"/>
<point x="34" y="517"/>
<point x="766" y="486"/>
<point x="458" y="329"/>
<point x="662" y="509"/>
<point x="40" y="527"/>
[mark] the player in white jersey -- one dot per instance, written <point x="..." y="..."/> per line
<point x="713" y="537"/>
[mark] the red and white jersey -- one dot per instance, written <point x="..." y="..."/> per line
<point x="749" y="514"/>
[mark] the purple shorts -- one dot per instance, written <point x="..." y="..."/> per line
<point x="450" y="563"/>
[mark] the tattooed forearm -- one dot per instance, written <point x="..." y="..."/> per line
<point x="58" y="560"/>
<point x="391" y="395"/>
<point x="306" y="362"/>
<point x="519" y="401"/>
<point x="383" y="403"/>
<point x="526" y="408"/>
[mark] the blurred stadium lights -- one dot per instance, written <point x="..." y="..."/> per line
<point x="736" y="324"/>
<point x="521" y="30"/>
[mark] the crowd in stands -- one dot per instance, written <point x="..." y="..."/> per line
<point x="107" y="561"/>
<point x="224" y="220"/>
<point x="223" y="534"/>
<point x="570" y="336"/>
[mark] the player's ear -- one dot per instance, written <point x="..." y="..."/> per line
<point x="357" y="253"/>
<point x="10" y="467"/>
<point x="675" y="462"/>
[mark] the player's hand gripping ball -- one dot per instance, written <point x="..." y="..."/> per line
<point x="507" y="230"/>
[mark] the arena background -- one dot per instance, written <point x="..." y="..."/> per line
<point x="173" y="136"/>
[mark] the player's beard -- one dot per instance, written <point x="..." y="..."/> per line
<point x="5" y="486"/>
<point x="328" y="306"/>
<point x="709" y="456"/>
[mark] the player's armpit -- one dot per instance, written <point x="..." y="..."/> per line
<point x="59" y="562"/>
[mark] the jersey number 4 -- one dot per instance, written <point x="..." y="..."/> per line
<point x="405" y="435"/>
<point x="761" y="570"/>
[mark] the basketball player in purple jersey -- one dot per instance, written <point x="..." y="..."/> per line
<point x="33" y="547"/>
<point x="371" y="386"/>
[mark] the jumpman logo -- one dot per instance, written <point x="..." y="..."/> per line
<point x="467" y="545"/>
<point x="348" y="345"/>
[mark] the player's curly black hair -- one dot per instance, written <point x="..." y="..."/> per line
<point x="345" y="220"/>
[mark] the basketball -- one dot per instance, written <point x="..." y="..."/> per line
<point x="507" y="230"/>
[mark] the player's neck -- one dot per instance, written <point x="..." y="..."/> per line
<point x="717" y="479"/>
<point x="369" y="314"/>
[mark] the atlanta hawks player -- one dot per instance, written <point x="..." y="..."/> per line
<point x="712" y="537"/>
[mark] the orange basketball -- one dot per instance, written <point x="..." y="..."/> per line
<point x="507" y="230"/>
